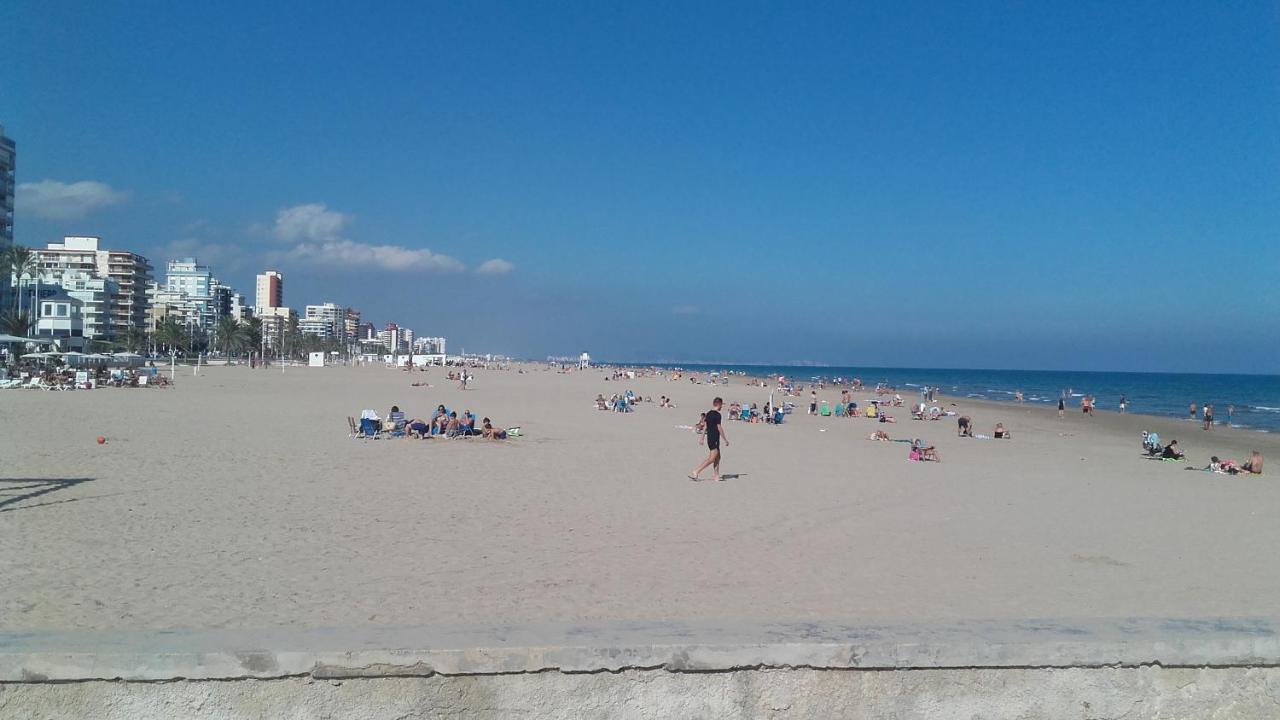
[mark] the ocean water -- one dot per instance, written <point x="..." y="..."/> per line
<point x="1256" y="398"/>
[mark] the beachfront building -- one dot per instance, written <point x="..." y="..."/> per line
<point x="92" y="297"/>
<point x="429" y="345"/>
<point x="237" y="308"/>
<point x="269" y="290"/>
<point x="396" y="339"/>
<point x="8" y="165"/>
<point x="188" y="278"/>
<point x="8" y="184"/>
<point x="327" y="320"/>
<point x="129" y="272"/>
<point x="274" y="321"/>
<point x="61" y="319"/>
<point x="165" y="304"/>
<point x="351" y="325"/>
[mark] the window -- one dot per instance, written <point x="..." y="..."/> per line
<point x="62" y="310"/>
<point x="46" y="308"/>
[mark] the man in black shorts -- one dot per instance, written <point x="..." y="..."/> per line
<point x="714" y="434"/>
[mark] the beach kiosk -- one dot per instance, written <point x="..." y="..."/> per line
<point x="315" y="359"/>
<point x="584" y="361"/>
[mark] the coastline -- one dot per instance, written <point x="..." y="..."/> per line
<point x="1261" y="417"/>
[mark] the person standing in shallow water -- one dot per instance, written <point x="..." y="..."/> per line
<point x="713" y="433"/>
<point x="1208" y="416"/>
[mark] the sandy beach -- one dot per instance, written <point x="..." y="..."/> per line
<point x="237" y="500"/>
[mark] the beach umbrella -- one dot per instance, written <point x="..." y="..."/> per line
<point x="36" y="356"/>
<point x="16" y="339"/>
<point x="126" y="355"/>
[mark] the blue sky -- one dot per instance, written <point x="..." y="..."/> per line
<point x="1084" y="186"/>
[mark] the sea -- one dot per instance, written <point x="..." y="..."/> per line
<point x="1255" y="399"/>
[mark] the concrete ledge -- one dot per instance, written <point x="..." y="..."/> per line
<point x="397" y="652"/>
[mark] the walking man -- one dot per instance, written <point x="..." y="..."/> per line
<point x="1208" y="416"/>
<point x="713" y="434"/>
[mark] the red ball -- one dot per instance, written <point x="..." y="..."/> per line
<point x="101" y="440"/>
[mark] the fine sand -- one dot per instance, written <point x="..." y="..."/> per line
<point x="236" y="499"/>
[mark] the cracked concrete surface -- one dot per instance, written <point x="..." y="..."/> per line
<point x="968" y="694"/>
<point x="1213" y="668"/>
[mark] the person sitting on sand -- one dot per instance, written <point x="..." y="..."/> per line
<point x="920" y="451"/>
<point x="491" y="433"/>
<point x="418" y="428"/>
<point x="1173" y="452"/>
<point x="1000" y="433"/>
<point x="879" y="435"/>
<point x="1253" y="465"/>
<point x="885" y="417"/>
<point x="600" y="402"/>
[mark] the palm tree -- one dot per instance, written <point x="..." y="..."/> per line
<point x="230" y="335"/>
<point x="15" y="322"/>
<point x="133" y="340"/>
<point x="172" y="334"/>
<point x="253" y="334"/>
<point x="19" y="261"/>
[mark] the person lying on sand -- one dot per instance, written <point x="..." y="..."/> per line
<point x="1173" y="452"/>
<point x="418" y="428"/>
<point x="879" y="435"/>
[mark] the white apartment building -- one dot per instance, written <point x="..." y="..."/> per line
<point x="93" y="295"/>
<point x="327" y="320"/>
<point x="274" y="321"/>
<point x="429" y="345"/>
<point x="269" y="290"/>
<point x="130" y="273"/>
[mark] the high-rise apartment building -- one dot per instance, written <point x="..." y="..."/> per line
<point x="351" y="325"/>
<point x="327" y="320"/>
<point x="187" y="277"/>
<point x="129" y="272"/>
<point x="8" y="165"/>
<point x="270" y="290"/>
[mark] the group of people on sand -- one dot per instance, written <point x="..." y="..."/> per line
<point x="1153" y="449"/>
<point x="626" y="402"/>
<point x="442" y="423"/>
<point x="1252" y="466"/>
<point x="965" y="425"/>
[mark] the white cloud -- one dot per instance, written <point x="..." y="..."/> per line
<point x="496" y="266"/>
<point x="346" y="253"/>
<point x="309" y="222"/>
<point x="56" y="200"/>
<point x="222" y="256"/>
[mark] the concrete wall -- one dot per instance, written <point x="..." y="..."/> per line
<point x="1130" y="693"/>
<point x="1131" y="669"/>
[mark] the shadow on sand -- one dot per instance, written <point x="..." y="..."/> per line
<point x="15" y="493"/>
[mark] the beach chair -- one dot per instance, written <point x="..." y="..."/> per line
<point x="353" y="427"/>
<point x="370" y="428"/>
<point x="840" y="409"/>
<point x="824" y="410"/>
